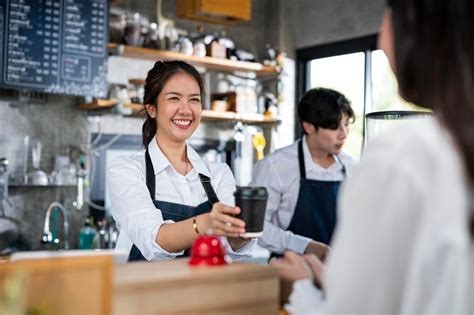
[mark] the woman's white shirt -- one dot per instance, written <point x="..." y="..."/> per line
<point x="402" y="244"/>
<point x="279" y="173"/>
<point x="138" y="219"/>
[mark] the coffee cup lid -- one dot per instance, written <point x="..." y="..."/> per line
<point x="251" y="192"/>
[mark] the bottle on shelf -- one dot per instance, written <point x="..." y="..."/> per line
<point x="87" y="236"/>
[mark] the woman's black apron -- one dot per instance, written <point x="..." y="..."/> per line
<point x="315" y="212"/>
<point x="174" y="211"/>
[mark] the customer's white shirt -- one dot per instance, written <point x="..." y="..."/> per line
<point x="402" y="244"/>
<point x="138" y="219"/>
<point x="279" y="172"/>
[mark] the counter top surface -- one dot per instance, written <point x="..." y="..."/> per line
<point x="161" y="288"/>
<point x="178" y="270"/>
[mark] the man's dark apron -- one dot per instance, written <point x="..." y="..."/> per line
<point x="174" y="211"/>
<point x="315" y="211"/>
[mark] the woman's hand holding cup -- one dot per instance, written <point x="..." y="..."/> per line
<point x="223" y="222"/>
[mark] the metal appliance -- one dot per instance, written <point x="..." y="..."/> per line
<point x="379" y="122"/>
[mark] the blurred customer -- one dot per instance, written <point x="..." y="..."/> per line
<point x="404" y="243"/>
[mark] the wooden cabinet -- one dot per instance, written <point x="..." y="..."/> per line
<point x="215" y="11"/>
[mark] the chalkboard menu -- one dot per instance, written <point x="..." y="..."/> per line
<point x="56" y="46"/>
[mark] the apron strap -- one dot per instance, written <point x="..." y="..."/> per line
<point x="206" y="183"/>
<point x="344" y="172"/>
<point x="150" y="175"/>
<point x="302" y="166"/>
<point x="301" y="159"/>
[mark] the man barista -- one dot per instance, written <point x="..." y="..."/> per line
<point x="303" y="179"/>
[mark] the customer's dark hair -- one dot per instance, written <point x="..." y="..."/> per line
<point x="434" y="61"/>
<point x="323" y="108"/>
<point x="156" y="79"/>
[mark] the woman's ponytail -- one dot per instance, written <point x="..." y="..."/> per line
<point x="148" y="130"/>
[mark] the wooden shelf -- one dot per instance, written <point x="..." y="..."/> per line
<point x="224" y="65"/>
<point x="246" y="118"/>
<point x="207" y="115"/>
<point x="98" y="104"/>
<point x="137" y="109"/>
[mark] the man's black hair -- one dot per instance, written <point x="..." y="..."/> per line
<point x="323" y="108"/>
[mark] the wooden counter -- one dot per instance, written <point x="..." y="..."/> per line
<point x="175" y="288"/>
<point x="94" y="285"/>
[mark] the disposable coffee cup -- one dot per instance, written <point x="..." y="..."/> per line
<point x="252" y="202"/>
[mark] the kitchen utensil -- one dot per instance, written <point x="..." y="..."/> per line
<point x="183" y="45"/>
<point x="117" y="23"/>
<point x="166" y="30"/>
<point x="152" y="38"/>
<point x="259" y="143"/>
<point x="3" y="178"/>
<point x="37" y="176"/>
<point x="136" y="90"/>
<point x="133" y="31"/>
<point x="199" y="49"/>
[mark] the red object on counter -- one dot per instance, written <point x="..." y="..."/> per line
<point x="207" y="250"/>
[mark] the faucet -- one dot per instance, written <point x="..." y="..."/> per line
<point x="47" y="235"/>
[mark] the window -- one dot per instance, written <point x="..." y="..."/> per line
<point x="384" y="86"/>
<point x="344" y="73"/>
<point x="359" y="71"/>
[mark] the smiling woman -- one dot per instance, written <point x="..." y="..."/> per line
<point x="165" y="196"/>
<point x="179" y="112"/>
